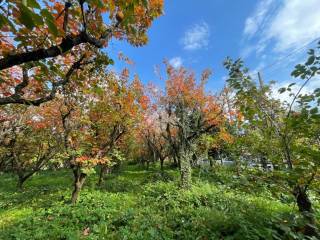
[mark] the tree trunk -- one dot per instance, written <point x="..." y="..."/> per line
<point x="305" y="208"/>
<point x="211" y="162"/>
<point x="161" y="164"/>
<point x="101" y="175"/>
<point x="287" y="154"/>
<point x="79" y="179"/>
<point x="175" y="162"/>
<point x="21" y="180"/>
<point x="185" y="169"/>
<point x="148" y="162"/>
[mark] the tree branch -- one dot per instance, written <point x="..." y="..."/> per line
<point x="83" y="16"/>
<point x="17" y="98"/>
<point x="67" y="5"/>
<point x="67" y="44"/>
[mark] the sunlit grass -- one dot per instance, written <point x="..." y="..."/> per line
<point x="135" y="203"/>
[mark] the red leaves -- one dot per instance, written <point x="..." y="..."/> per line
<point x="45" y="116"/>
<point x="144" y="101"/>
<point x="50" y="24"/>
<point x="86" y="161"/>
<point x="181" y="86"/>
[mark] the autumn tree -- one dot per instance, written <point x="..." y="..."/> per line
<point x="152" y="136"/>
<point x="43" y="43"/>
<point x="96" y="115"/>
<point x="114" y="111"/>
<point x="77" y="144"/>
<point x="190" y="112"/>
<point x="30" y="139"/>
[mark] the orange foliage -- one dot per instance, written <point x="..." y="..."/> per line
<point x="182" y="86"/>
<point x="85" y="161"/>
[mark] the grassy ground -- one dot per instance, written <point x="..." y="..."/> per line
<point x="135" y="203"/>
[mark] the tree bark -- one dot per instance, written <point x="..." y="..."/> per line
<point x="66" y="44"/>
<point x="148" y="163"/>
<point x="211" y="162"/>
<point x="161" y="164"/>
<point x="264" y="163"/>
<point x="175" y="162"/>
<point x="305" y="208"/>
<point x="103" y="170"/>
<point x="21" y="180"/>
<point x="79" y="179"/>
<point x="287" y="153"/>
<point x="185" y="169"/>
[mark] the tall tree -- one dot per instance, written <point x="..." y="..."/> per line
<point x="285" y="125"/>
<point x="189" y="113"/>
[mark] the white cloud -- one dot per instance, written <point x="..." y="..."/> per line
<point x="284" y="26"/>
<point x="296" y="23"/>
<point x="255" y="22"/>
<point x="196" y="37"/>
<point x="285" y="97"/>
<point x="176" y="62"/>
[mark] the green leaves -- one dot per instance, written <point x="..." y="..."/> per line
<point x="310" y="60"/>
<point x="310" y="68"/>
<point x="97" y="3"/>
<point x="49" y="20"/>
<point x="26" y="17"/>
<point x="298" y="71"/>
<point x="33" y="4"/>
<point x="282" y="90"/>
<point x="30" y="19"/>
<point x="285" y="89"/>
<point x="3" y="21"/>
<point x="314" y="111"/>
<point x="52" y="28"/>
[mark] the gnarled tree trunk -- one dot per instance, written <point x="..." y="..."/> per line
<point x="20" y="182"/>
<point x="23" y="176"/>
<point x="79" y="179"/>
<point x="185" y="169"/>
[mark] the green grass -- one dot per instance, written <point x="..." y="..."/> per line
<point x="135" y="203"/>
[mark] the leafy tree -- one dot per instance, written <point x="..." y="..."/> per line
<point x="95" y="118"/>
<point x="43" y="43"/>
<point x="31" y="139"/>
<point x="189" y="112"/>
<point x="152" y="136"/>
<point x="288" y="127"/>
<point x="114" y="111"/>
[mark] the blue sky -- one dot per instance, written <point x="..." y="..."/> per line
<point x="201" y="34"/>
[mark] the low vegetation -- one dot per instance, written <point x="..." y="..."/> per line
<point x="135" y="203"/>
